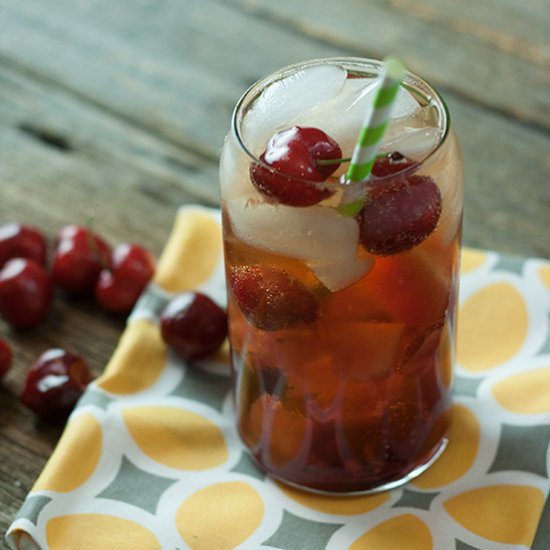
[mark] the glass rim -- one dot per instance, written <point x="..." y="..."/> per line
<point x="410" y="80"/>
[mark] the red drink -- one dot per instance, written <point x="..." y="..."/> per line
<point x="341" y="327"/>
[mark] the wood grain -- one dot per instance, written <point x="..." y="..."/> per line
<point x="500" y="62"/>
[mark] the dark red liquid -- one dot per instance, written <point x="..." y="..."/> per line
<point x="359" y="397"/>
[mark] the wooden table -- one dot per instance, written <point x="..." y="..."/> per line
<point x="117" y="110"/>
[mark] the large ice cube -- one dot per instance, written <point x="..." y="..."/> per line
<point x="234" y="168"/>
<point x="342" y="116"/>
<point x="336" y="276"/>
<point x="312" y="233"/>
<point x="415" y="135"/>
<point x="281" y="102"/>
<point x="414" y="143"/>
<point x="321" y="237"/>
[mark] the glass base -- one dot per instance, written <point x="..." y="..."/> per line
<point x="386" y="486"/>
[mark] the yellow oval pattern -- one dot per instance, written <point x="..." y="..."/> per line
<point x="95" y="531"/>
<point x="471" y="259"/>
<point x="176" y="438"/>
<point x="220" y="516"/>
<point x="460" y="454"/>
<point x="492" y="327"/>
<point x="512" y="391"/>
<point x="351" y="505"/>
<point x="502" y="513"/>
<point x="76" y="457"/>
<point x="406" y="531"/>
<point x="544" y="273"/>
<point x="192" y="252"/>
<point x="138" y="360"/>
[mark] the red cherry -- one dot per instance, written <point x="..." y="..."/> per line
<point x="391" y="164"/>
<point x="118" y="289"/>
<point x="270" y="299"/>
<point x="79" y="257"/>
<point x="399" y="213"/>
<point x="293" y="154"/>
<point x="5" y="357"/>
<point x="22" y="241"/>
<point x="194" y="325"/>
<point x="25" y="293"/>
<point x="54" y="384"/>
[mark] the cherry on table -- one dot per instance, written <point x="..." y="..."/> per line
<point x="25" y="293"/>
<point x="290" y="165"/>
<point x="79" y="257"/>
<point x="119" y="287"/>
<point x="270" y="298"/>
<point x="54" y="383"/>
<point x="5" y="357"/>
<point x="194" y="325"/>
<point x="22" y="241"/>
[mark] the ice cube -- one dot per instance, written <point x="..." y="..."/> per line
<point x="414" y="143"/>
<point x="336" y="276"/>
<point x="314" y="233"/>
<point x="342" y="117"/>
<point x="233" y="169"/>
<point x="281" y="102"/>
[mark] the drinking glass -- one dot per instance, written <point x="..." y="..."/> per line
<point x="342" y="324"/>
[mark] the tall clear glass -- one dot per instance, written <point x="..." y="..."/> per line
<point x="342" y="322"/>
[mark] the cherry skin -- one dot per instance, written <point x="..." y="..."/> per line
<point x="270" y="299"/>
<point x="22" y="241"/>
<point x="79" y="257"/>
<point x="5" y="357"/>
<point x="25" y="293"/>
<point x="118" y="288"/>
<point x="391" y="164"/>
<point x="291" y="157"/>
<point x="194" y="325"/>
<point x="54" y="384"/>
<point x="399" y="213"/>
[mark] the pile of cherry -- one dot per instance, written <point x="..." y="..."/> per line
<point x="84" y="265"/>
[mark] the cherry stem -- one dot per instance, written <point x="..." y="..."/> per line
<point x="328" y="162"/>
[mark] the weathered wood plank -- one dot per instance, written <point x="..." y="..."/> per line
<point x="148" y="86"/>
<point x="104" y="163"/>
<point x="164" y="66"/>
<point x="501" y="62"/>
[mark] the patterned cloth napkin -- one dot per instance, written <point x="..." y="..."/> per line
<point x="150" y="458"/>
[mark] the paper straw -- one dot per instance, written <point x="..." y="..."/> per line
<point x="374" y="126"/>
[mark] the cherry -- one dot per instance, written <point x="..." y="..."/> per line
<point x="22" y="241"/>
<point x="54" y="384"/>
<point x="5" y="357"/>
<point x="391" y="164"/>
<point x="399" y="213"/>
<point x="292" y="155"/>
<point x="194" y="325"/>
<point x="79" y="257"/>
<point x="270" y="299"/>
<point x="118" y="288"/>
<point x="25" y="293"/>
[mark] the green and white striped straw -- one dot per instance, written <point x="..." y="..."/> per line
<point x="374" y="126"/>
